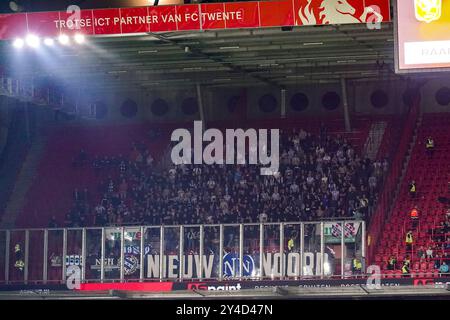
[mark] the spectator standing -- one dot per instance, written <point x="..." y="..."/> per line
<point x="443" y="268"/>
<point x="414" y="215"/>
<point x="356" y="266"/>
<point x="437" y="262"/>
<point x="392" y="263"/>
<point x="429" y="146"/>
<point x="429" y="253"/>
<point x="405" y="268"/>
<point x="412" y="189"/>
<point x="409" y="240"/>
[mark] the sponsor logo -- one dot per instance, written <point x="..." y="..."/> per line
<point x="428" y="10"/>
<point x="205" y="286"/>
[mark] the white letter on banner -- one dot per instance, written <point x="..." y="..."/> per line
<point x="172" y="266"/>
<point x="293" y="263"/>
<point x="153" y="266"/>
<point x="207" y="265"/>
<point x="267" y="263"/>
<point x="277" y="264"/>
<point x="308" y="264"/>
<point x="188" y="261"/>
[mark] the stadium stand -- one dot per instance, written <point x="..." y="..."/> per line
<point x="431" y="232"/>
<point x="101" y="164"/>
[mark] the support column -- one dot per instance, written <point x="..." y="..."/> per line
<point x="161" y="253"/>
<point x="302" y="247"/>
<point x="45" y="262"/>
<point x="221" y="252"/>
<point x="348" y="126"/>
<point x="7" y="250"/>
<point x="181" y="253"/>
<point x="202" y="238"/>
<point x="64" y="256"/>
<point x="283" y="103"/>
<point x="261" y="251"/>
<point x="83" y="255"/>
<point x="200" y="106"/>
<point x="122" y="254"/>
<point x="102" y="262"/>
<point x="342" y="250"/>
<point x="322" y="249"/>
<point x="241" y="251"/>
<point x="27" y="253"/>
<point x="363" y="244"/>
<point x="142" y="256"/>
<point x="282" y="250"/>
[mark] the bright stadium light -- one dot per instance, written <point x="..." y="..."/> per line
<point x="18" y="43"/>
<point x="79" y="38"/>
<point x="32" y="41"/>
<point x="15" y="6"/>
<point x="49" y="42"/>
<point x="64" y="39"/>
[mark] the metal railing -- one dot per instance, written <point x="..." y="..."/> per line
<point x="157" y="253"/>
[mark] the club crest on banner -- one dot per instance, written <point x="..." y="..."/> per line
<point x="428" y="10"/>
<point x="314" y="12"/>
<point x="130" y="264"/>
<point x="231" y="265"/>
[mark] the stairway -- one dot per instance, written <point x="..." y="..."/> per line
<point x="23" y="183"/>
<point x="374" y="139"/>
<point x="430" y="186"/>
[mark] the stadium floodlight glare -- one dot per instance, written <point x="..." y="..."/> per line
<point x="18" y="43"/>
<point x="79" y="38"/>
<point x="64" y="39"/>
<point x="32" y="41"/>
<point x="49" y="42"/>
<point x="15" y="6"/>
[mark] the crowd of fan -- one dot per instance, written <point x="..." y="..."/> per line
<point x="320" y="176"/>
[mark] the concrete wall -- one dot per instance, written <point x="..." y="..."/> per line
<point x="360" y="94"/>
<point x="429" y="90"/>
<point x="216" y="101"/>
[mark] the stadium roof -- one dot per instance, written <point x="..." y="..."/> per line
<point x="227" y="58"/>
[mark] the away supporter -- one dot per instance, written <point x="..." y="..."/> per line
<point x="320" y="177"/>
